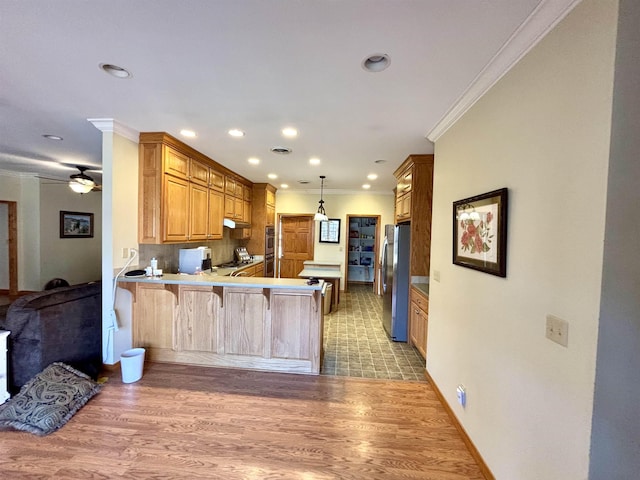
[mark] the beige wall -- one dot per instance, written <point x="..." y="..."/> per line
<point x="77" y="260"/>
<point x="42" y="254"/>
<point x="337" y="206"/>
<point x="543" y="132"/>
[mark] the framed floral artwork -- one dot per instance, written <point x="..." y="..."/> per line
<point x="480" y="232"/>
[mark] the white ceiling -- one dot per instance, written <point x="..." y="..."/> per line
<point x="256" y="65"/>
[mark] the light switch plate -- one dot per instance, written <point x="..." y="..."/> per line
<point x="557" y="330"/>
<point x="436" y="275"/>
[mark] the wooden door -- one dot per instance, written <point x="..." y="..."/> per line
<point x="297" y="244"/>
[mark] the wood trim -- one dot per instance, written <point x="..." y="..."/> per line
<point x="465" y="437"/>
<point x="12" y="250"/>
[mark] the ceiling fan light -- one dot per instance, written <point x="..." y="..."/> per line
<point x="81" y="187"/>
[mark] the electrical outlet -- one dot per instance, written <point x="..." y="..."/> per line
<point x="436" y="275"/>
<point x="557" y="330"/>
<point x="461" y="393"/>
<point x="125" y="252"/>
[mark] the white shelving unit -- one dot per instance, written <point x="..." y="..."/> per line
<point x="362" y="246"/>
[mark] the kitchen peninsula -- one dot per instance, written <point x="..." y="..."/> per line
<point x="254" y="323"/>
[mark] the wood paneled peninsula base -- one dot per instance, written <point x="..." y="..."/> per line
<point x="253" y="323"/>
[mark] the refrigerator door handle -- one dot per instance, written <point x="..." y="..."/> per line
<point x="384" y="265"/>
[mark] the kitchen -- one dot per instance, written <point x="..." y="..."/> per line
<point x="231" y="243"/>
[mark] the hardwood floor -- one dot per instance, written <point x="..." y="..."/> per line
<point x="196" y="422"/>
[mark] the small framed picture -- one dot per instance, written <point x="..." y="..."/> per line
<point x="480" y="232"/>
<point x="76" y="224"/>
<point x="330" y="231"/>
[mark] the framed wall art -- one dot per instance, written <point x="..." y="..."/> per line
<point x="480" y="232"/>
<point x="330" y="231"/>
<point x="76" y="224"/>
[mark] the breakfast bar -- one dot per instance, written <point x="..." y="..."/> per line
<point x="244" y="322"/>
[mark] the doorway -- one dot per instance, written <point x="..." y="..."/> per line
<point x="363" y="251"/>
<point x="9" y="247"/>
<point x="295" y="244"/>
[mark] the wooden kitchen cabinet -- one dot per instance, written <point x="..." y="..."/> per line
<point x="244" y="321"/>
<point x="216" y="215"/>
<point x="176" y="199"/>
<point x="418" y="321"/>
<point x="156" y="305"/>
<point x="414" y="198"/>
<point x="263" y="208"/>
<point x="175" y="193"/>
<point x="199" y="319"/>
<point x="263" y="327"/>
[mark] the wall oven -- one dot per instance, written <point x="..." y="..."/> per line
<point x="269" y="251"/>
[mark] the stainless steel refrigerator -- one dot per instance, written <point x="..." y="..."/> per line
<point x="396" y="281"/>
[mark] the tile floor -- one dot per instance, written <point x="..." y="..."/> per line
<point x="356" y="345"/>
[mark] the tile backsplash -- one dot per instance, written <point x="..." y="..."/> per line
<point x="167" y="255"/>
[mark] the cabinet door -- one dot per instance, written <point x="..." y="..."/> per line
<point x="216" y="180"/>
<point x="176" y="163"/>
<point x="271" y="215"/>
<point x="198" y="212"/>
<point x="229" y="186"/>
<point x="271" y="198"/>
<point x="175" y="209"/>
<point x="237" y="208"/>
<point x="246" y="211"/>
<point x="292" y="314"/>
<point x="153" y="317"/>
<point x="229" y="206"/>
<point x="197" y="325"/>
<point x="244" y="321"/>
<point x="216" y="214"/>
<point x="199" y="173"/>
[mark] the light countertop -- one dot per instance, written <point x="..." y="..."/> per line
<point x="216" y="280"/>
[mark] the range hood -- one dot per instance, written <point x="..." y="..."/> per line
<point x="227" y="222"/>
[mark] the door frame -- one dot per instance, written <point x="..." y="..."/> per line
<point x="376" y="250"/>
<point x="279" y="236"/>
<point x="12" y="233"/>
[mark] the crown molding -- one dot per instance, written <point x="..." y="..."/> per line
<point x="336" y="191"/>
<point x="541" y="21"/>
<point x="111" y="125"/>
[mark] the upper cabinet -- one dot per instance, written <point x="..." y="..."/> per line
<point x="414" y="197"/>
<point x="263" y="210"/>
<point x="181" y="192"/>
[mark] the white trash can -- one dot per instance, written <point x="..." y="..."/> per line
<point x="131" y="364"/>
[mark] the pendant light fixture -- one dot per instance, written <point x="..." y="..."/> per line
<point x="320" y="214"/>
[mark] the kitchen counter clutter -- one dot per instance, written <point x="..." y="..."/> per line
<point x="254" y="323"/>
<point x="329" y="271"/>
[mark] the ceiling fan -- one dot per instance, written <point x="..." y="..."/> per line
<point x="81" y="182"/>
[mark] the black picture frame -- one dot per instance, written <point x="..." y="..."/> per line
<point x="480" y="232"/>
<point x="76" y="224"/>
<point x="330" y="231"/>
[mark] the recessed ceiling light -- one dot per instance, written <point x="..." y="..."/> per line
<point x="234" y="132"/>
<point x="272" y="176"/>
<point x="115" y="70"/>
<point x="52" y="137"/>
<point x="380" y="161"/>
<point x="366" y="186"/>
<point x="284" y="185"/>
<point x="188" y="133"/>
<point x="281" y="150"/>
<point x="314" y="161"/>
<point x="372" y="176"/>
<point x="303" y="182"/>
<point x="376" y="62"/>
<point x="254" y="161"/>
<point x="290" y="132"/>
